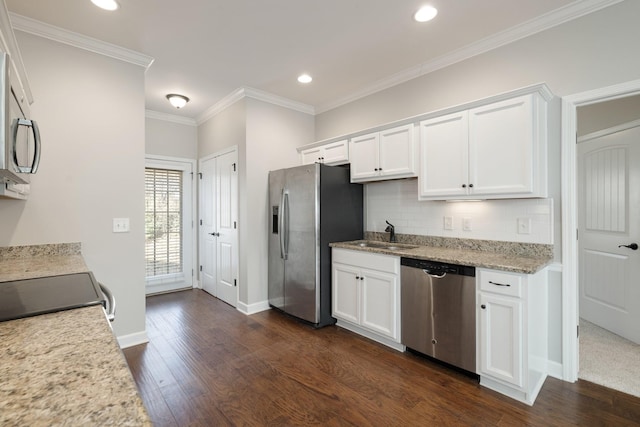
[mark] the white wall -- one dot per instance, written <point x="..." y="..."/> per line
<point x="90" y="109"/>
<point x="397" y="202"/>
<point x="165" y="138"/>
<point x="604" y="115"/>
<point x="273" y="133"/>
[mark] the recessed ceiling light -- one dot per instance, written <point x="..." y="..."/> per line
<point x="106" y="4"/>
<point x="305" y="78"/>
<point x="426" y="13"/>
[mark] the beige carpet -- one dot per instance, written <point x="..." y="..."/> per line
<point x="608" y="359"/>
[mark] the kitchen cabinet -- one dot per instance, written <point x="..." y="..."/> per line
<point x="388" y="154"/>
<point x="492" y="151"/>
<point x="333" y="153"/>
<point x="512" y="332"/>
<point x="366" y="294"/>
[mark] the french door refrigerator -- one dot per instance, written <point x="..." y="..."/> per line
<point x="310" y="207"/>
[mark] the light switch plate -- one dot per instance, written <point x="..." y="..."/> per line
<point x="524" y="225"/>
<point x="120" y="225"/>
<point x="448" y="223"/>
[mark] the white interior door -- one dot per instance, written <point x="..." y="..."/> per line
<point x="208" y="222"/>
<point x="227" y="233"/>
<point x="609" y="217"/>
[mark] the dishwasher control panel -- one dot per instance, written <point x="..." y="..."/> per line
<point x="435" y="267"/>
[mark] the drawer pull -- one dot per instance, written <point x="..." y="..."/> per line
<point x="499" y="284"/>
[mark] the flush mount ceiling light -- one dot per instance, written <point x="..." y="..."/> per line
<point x="106" y="4"/>
<point x="426" y="13"/>
<point x="305" y="78"/>
<point x="177" y="101"/>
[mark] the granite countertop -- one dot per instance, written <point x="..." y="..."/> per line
<point x="63" y="368"/>
<point x="28" y="262"/>
<point x="517" y="258"/>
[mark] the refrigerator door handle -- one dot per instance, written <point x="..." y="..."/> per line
<point x="285" y="221"/>
<point x="281" y="224"/>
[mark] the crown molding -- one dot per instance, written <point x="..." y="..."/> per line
<point x="544" y="22"/>
<point x="278" y="100"/>
<point x="51" y="32"/>
<point x="220" y="106"/>
<point x="157" y="115"/>
<point x="247" y="92"/>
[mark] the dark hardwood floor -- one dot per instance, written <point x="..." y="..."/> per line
<point x="208" y="365"/>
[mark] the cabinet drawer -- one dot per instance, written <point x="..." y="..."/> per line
<point x="499" y="282"/>
<point x="386" y="263"/>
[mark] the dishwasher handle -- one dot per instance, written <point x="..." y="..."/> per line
<point x="435" y="276"/>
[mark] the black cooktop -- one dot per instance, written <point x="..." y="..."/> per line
<point x="31" y="297"/>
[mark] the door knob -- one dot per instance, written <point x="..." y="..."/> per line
<point x="632" y="246"/>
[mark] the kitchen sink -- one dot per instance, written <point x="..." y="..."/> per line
<point x="392" y="246"/>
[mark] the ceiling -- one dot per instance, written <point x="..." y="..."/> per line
<point x="206" y="49"/>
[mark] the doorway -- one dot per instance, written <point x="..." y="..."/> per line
<point x="575" y="108"/>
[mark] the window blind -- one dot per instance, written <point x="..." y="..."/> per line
<point x="163" y="222"/>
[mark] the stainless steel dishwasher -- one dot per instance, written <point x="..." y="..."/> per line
<point x="438" y="304"/>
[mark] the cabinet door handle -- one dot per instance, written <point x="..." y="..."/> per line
<point x="470" y="185"/>
<point x="464" y="185"/>
<point x="499" y="284"/>
<point x="483" y="306"/>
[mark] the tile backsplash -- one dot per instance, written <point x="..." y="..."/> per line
<point x="511" y="220"/>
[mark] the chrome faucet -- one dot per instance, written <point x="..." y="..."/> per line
<point x="392" y="230"/>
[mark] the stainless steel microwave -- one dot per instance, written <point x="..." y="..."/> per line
<point x="19" y="138"/>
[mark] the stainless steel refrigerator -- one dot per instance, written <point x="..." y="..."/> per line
<point x="310" y="207"/>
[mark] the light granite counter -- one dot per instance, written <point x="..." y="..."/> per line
<point x="28" y="262"/>
<point x="63" y="368"/>
<point x="506" y="256"/>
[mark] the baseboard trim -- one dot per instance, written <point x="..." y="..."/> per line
<point x="555" y="370"/>
<point x="254" y="308"/>
<point x="130" y="340"/>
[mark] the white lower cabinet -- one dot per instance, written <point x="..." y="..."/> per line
<point x="512" y="332"/>
<point x="366" y="294"/>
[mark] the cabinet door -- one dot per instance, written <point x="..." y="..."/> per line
<point x="363" y="151"/>
<point x="380" y="302"/>
<point x="501" y="144"/>
<point x="345" y="291"/>
<point x="501" y="338"/>
<point x="336" y="153"/>
<point x="444" y="158"/>
<point x="397" y="152"/>
<point x="311" y="155"/>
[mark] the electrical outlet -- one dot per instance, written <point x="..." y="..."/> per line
<point x="466" y="224"/>
<point x="448" y="223"/>
<point x="120" y="225"/>
<point x="524" y="225"/>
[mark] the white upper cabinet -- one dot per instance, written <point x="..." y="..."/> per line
<point x="493" y="151"/>
<point x="444" y="156"/>
<point x="388" y="154"/>
<point x="333" y="153"/>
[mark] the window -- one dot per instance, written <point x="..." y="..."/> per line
<point x="163" y="222"/>
<point x="168" y="224"/>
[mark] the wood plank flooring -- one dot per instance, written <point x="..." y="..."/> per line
<point x="209" y="365"/>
